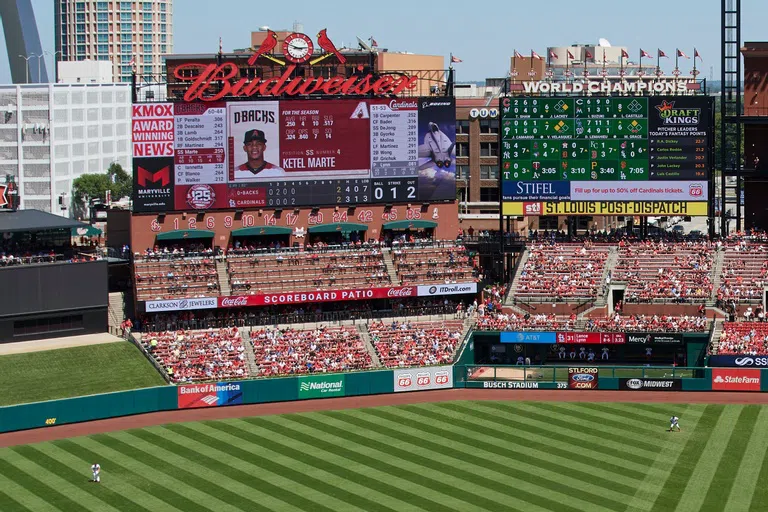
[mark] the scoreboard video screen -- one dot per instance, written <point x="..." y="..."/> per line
<point x="293" y="153"/>
<point x="605" y="155"/>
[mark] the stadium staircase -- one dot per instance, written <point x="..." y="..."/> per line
<point x="250" y="358"/>
<point x="716" y="332"/>
<point x="717" y="277"/>
<point x="520" y="266"/>
<point x="116" y="311"/>
<point x="390" y="264"/>
<point x="223" y="275"/>
<point x="610" y="264"/>
<point x="363" y="330"/>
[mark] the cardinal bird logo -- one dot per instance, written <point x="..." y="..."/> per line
<point x="269" y="44"/>
<point x="326" y="44"/>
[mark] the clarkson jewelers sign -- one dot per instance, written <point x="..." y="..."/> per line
<point x="213" y="82"/>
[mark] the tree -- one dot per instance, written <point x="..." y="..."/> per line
<point x="91" y="186"/>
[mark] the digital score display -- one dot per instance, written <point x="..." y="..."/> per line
<point x="292" y="153"/>
<point x="585" y="155"/>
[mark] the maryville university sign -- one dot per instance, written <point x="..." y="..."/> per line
<point x="213" y="82"/>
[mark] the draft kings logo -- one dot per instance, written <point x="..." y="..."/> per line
<point x="321" y="386"/>
<point x="678" y="116"/>
<point x="735" y="379"/>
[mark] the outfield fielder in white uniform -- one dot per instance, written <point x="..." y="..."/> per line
<point x="96" y="469"/>
<point x="673" y="422"/>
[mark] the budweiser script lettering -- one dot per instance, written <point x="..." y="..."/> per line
<point x="205" y="77"/>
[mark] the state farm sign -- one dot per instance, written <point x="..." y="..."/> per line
<point x="735" y="379"/>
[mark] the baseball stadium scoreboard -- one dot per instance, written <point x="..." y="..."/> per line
<point x="293" y="153"/>
<point x="606" y="155"/>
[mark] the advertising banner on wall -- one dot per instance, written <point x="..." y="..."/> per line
<point x="157" y="306"/>
<point x="528" y="337"/>
<point x="651" y="384"/>
<point x="651" y="338"/>
<point x="209" y="395"/>
<point x="422" y="379"/>
<point x="735" y="379"/>
<point x="321" y="386"/>
<point x="582" y="378"/>
<point x="760" y="361"/>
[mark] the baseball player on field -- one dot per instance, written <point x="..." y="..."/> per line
<point x="673" y="422"/>
<point x="96" y="469"/>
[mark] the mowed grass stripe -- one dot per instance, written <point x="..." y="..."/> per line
<point x="537" y="454"/>
<point x="35" y="485"/>
<point x="314" y="496"/>
<point x="13" y="495"/>
<point x="447" y="496"/>
<point x="85" y="449"/>
<point x="640" y="419"/>
<point x="42" y="455"/>
<point x="9" y="504"/>
<point x="308" y="468"/>
<point x="619" y="419"/>
<point x="523" y="474"/>
<point x="182" y="494"/>
<point x="565" y="418"/>
<point x="388" y="491"/>
<point x="729" y="461"/>
<point x="547" y="460"/>
<point x="608" y="449"/>
<point x="670" y="495"/>
<point x="234" y="475"/>
<point x="385" y="437"/>
<point x="238" y="469"/>
<point x="748" y="473"/>
<point x="202" y="479"/>
<point x="115" y="486"/>
<point x="658" y="473"/>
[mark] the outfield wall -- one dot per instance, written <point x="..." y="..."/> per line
<point x="191" y="396"/>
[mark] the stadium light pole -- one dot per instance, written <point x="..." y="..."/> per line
<point x="39" y="70"/>
<point x="27" y="59"/>
<point x="53" y="62"/>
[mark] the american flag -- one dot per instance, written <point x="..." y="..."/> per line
<point x="662" y="54"/>
<point x="681" y="54"/>
<point x="644" y="53"/>
<point x="552" y="55"/>
<point x="455" y="59"/>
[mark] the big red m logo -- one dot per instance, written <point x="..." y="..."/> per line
<point x="163" y="176"/>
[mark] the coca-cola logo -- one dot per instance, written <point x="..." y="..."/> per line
<point x="232" y="302"/>
<point x="401" y="292"/>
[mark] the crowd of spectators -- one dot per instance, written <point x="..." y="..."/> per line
<point x="158" y="279"/>
<point x="562" y="271"/>
<point x="405" y="344"/>
<point x="666" y="272"/>
<point x="447" y="264"/>
<point x="743" y="338"/>
<point x="743" y="278"/>
<point x="196" y="356"/>
<point x="499" y="321"/>
<point x="648" y="323"/>
<point x="293" y="351"/>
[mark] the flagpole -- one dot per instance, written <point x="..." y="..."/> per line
<point x="694" y="61"/>
<point x="641" y="60"/>
<point x="658" y="61"/>
<point x="677" y="55"/>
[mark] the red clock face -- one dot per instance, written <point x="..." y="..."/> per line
<point x="297" y="48"/>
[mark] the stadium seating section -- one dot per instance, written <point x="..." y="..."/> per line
<point x="403" y="344"/>
<point x="749" y="338"/>
<point x="646" y="323"/>
<point x="562" y="271"/>
<point x="292" y="351"/>
<point x="196" y="356"/>
<point x="433" y="265"/>
<point x="176" y="278"/>
<point x="744" y="271"/>
<point x="514" y="322"/>
<point x="666" y="272"/>
<point x="293" y="271"/>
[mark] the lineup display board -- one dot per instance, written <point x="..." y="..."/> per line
<point x="293" y="153"/>
<point x="605" y="155"/>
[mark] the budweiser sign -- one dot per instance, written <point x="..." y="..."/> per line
<point x="407" y="291"/>
<point x="213" y="82"/>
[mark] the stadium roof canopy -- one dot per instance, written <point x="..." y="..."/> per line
<point x="35" y="220"/>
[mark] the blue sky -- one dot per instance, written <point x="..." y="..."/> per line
<point x="482" y="34"/>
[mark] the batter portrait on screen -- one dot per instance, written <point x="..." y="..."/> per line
<point x="254" y="145"/>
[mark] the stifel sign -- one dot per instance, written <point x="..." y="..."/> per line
<point x="204" y="77"/>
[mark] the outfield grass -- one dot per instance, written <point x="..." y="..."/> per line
<point x="77" y="371"/>
<point x="466" y="456"/>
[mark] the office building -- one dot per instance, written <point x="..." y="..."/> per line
<point x="51" y="134"/>
<point x="127" y="34"/>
